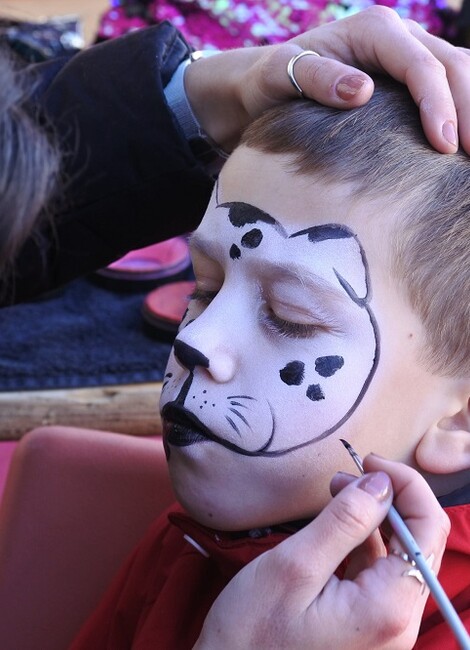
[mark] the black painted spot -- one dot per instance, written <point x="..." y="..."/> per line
<point x="327" y="366"/>
<point x="315" y="393"/>
<point x="252" y="239"/>
<point x="235" y="252"/>
<point x="241" y="214"/>
<point x="293" y="373"/>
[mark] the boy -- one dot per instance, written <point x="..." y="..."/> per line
<point x="332" y="301"/>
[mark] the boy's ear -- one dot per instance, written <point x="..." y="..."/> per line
<point x="445" y="447"/>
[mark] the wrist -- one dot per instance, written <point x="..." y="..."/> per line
<point x="204" y="148"/>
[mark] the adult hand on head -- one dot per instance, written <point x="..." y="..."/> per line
<point x="230" y="90"/>
<point x="289" y="597"/>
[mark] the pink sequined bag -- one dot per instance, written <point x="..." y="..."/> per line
<point x="224" y="24"/>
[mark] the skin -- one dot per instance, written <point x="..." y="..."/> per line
<point x="290" y="598"/>
<point x="215" y="481"/>
<point x="229" y="90"/>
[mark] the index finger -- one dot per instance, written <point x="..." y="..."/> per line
<point x="456" y="62"/>
<point x="435" y="72"/>
<point x="425" y="72"/>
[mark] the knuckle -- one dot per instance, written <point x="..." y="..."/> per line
<point x="275" y="60"/>
<point x="395" y="623"/>
<point x="352" y="517"/>
<point x="426" y="60"/>
<point x="412" y="26"/>
<point x="457" y="57"/>
<point x="381" y="13"/>
<point x="286" y="566"/>
<point x="385" y="627"/>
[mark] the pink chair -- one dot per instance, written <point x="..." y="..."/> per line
<point x="75" y="503"/>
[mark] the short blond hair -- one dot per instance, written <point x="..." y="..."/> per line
<point x="381" y="149"/>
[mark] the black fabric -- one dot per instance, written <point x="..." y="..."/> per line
<point x="81" y="337"/>
<point x="457" y="498"/>
<point x="130" y="178"/>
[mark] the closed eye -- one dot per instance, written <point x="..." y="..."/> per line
<point x="289" y="329"/>
<point x="203" y="296"/>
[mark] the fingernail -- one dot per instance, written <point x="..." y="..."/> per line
<point x="348" y="87"/>
<point x="450" y="132"/>
<point x="339" y="481"/>
<point x="347" y="474"/>
<point x="377" y="484"/>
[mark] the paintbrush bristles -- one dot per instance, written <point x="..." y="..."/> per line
<point x="354" y="455"/>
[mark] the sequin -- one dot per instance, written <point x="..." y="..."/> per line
<point x="224" y="24"/>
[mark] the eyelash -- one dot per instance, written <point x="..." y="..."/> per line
<point x="203" y="296"/>
<point x="271" y="322"/>
<point x="289" y="329"/>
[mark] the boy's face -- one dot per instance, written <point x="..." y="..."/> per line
<point x="296" y="337"/>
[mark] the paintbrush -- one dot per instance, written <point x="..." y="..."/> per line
<point x="416" y="556"/>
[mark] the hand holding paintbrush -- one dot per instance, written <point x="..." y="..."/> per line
<point x="420" y="567"/>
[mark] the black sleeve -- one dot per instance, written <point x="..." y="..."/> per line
<point x="129" y="177"/>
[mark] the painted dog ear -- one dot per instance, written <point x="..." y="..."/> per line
<point x="445" y="447"/>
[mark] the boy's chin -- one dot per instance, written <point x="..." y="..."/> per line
<point x="227" y="515"/>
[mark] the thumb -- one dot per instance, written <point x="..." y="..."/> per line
<point x="345" y="523"/>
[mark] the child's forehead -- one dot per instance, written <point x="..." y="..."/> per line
<point x="298" y="201"/>
<point x="274" y="182"/>
<point x="237" y="233"/>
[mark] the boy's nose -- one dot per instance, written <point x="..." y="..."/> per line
<point x="220" y="366"/>
<point x="189" y="356"/>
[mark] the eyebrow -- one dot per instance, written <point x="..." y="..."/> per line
<point x="212" y="249"/>
<point x="277" y="271"/>
<point x="309" y="280"/>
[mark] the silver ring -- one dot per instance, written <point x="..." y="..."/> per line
<point x="290" y="68"/>
<point x="413" y="572"/>
<point x="404" y="556"/>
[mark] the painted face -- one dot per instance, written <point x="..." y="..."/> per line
<point x="278" y="353"/>
<point x="295" y="301"/>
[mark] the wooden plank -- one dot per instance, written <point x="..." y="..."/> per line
<point x="131" y="409"/>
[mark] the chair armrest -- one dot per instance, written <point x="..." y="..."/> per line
<point x="75" y="503"/>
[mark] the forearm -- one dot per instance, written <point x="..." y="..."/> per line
<point x="124" y="159"/>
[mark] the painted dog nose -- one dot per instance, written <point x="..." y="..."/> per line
<point x="189" y="356"/>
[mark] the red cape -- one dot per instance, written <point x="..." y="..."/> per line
<point x="161" y="596"/>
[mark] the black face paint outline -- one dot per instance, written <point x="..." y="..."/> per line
<point x="241" y="214"/>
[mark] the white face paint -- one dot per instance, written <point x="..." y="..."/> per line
<point x="277" y="356"/>
<point x="293" y="321"/>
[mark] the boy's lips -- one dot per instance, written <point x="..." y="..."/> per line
<point x="182" y="428"/>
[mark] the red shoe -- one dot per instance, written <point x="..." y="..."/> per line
<point x="146" y="267"/>
<point x="164" y="308"/>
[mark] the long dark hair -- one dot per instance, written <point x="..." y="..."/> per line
<point x="29" y="161"/>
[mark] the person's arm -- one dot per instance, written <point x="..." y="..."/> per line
<point x="289" y="597"/>
<point x="129" y="176"/>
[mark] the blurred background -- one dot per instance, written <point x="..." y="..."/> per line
<point x="67" y="24"/>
